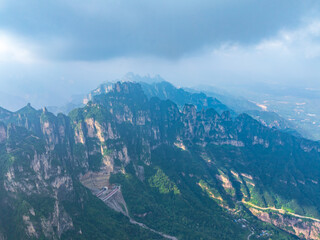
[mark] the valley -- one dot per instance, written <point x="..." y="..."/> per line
<point x="160" y="169"/>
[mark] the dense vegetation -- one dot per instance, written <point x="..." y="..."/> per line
<point x="182" y="172"/>
<point x="191" y="214"/>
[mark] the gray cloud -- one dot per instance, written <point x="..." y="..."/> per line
<point x="51" y="50"/>
<point x="98" y="30"/>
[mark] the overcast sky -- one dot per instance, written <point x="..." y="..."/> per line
<point x="50" y="50"/>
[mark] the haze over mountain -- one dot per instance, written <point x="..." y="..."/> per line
<point x="130" y="165"/>
<point x="179" y="120"/>
<point x="54" y="50"/>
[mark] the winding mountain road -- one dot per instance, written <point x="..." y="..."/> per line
<point x="152" y="230"/>
<point x="280" y="211"/>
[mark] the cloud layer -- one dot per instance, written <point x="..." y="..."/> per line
<point x="50" y="50"/>
<point x="103" y="29"/>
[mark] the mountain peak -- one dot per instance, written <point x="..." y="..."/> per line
<point x="131" y="77"/>
<point x="27" y="109"/>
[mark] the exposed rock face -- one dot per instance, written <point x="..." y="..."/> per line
<point x="157" y="122"/>
<point x="35" y="172"/>
<point x="161" y="122"/>
<point x="79" y="134"/>
<point x="127" y="103"/>
<point x="48" y="131"/>
<point x="2" y="237"/>
<point x="46" y="180"/>
<point x="30" y="228"/>
<point x="166" y="91"/>
<point x="3" y="133"/>
<point x="306" y="229"/>
<point x="46" y="155"/>
<point x="140" y="172"/>
<point x="61" y="220"/>
<point x="101" y="131"/>
<point x="125" y="107"/>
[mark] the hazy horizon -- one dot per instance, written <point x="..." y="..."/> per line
<point x="51" y="51"/>
<point x="14" y="102"/>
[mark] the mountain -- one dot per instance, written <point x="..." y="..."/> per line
<point x="166" y="91"/>
<point x="238" y="104"/>
<point x="257" y="111"/>
<point x="4" y="114"/>
<point x="273" y="120"/>
<point x="157" y="87"/>
<point x="296" y="104"/>
<point x="75" y="102"/>
<point x="129" y="165"/>
<point x="41" y="197"/>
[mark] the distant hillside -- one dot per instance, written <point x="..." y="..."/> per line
<point x="132" y="166"/>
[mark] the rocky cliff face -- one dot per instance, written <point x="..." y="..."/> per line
<point x="3" y="132"/>
<point x="305" y="229"/>
<point x="166" y="91"/>
<point x="32" y="171"/>
<point x="123" y="137"/>
<point x="130" y="114"/>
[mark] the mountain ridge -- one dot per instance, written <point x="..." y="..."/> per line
<point x="201" y="162"/>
